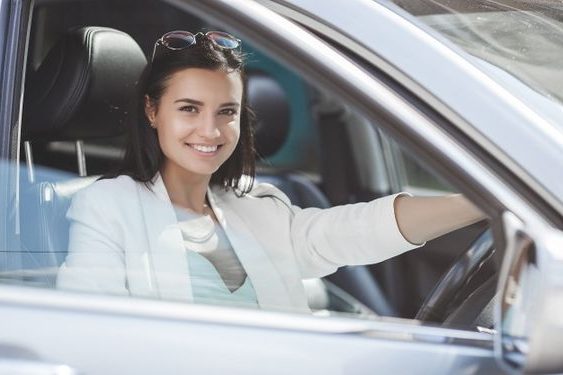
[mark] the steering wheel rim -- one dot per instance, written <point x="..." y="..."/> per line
<point x="436" y="305"/>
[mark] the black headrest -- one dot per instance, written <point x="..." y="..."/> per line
<point x="269" y="101"/>
<point x="84" y="86"/>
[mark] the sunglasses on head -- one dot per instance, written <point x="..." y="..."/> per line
<point x="179" y="40"/>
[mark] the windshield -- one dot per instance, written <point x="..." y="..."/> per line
<point x="518" y="43"/>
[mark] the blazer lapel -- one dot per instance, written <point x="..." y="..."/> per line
<point x="271" y="290"/>
<point x="166" y="248"/>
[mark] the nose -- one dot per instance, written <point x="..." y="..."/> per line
<point x="208" y="127"/>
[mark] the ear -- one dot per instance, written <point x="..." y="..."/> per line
<point x="150" y="109"/>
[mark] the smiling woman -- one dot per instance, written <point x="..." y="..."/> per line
<point x="192" y="97"/>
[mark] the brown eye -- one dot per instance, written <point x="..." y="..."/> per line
<point x="188" y="108"/>
<point x="228" y="111"/>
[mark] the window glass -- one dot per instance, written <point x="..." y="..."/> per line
<point x="117" y="237"/>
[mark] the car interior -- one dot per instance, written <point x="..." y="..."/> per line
<point x="84" y="59"/>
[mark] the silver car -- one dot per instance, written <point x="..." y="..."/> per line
<point x="355" y="100"/>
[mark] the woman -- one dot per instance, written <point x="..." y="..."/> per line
<point x="183" y="220"/>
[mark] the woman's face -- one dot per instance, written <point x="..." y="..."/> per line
<point x="198" y="119"/>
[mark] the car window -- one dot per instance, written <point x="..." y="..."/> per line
<point x="308" y="149"/>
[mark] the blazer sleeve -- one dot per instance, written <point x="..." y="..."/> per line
<point x="95" y="261"/>
<point x="353" y="234"/>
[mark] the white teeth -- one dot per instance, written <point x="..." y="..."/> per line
<point x="203" y="148"/>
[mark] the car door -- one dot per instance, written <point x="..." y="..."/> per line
<point x="108" y="334"/>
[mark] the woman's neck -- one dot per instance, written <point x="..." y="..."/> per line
<point x="185" y="189"/>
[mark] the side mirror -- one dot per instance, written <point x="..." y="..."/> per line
<point x="529" y="315"/>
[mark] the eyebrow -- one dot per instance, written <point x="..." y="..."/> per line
<point x="191" y="101"/>
<point x="230" y="104"/>
<point x="197" y="102"/>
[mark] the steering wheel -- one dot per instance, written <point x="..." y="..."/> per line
<point x="437" y="304"/>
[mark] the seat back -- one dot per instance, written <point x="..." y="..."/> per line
<point x="83" y="87"/>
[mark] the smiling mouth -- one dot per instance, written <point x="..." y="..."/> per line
<point x="206" y="149"/>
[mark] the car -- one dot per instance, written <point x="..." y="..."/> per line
<point x="355" y="100"/>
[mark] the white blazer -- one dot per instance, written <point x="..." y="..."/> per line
<point x="124" y="240"/>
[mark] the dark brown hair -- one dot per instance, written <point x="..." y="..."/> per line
<point x="143" y="156"/>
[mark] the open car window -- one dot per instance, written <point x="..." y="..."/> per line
<point x="316" y="150"/>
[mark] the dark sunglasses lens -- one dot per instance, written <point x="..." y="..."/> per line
<point x="223" y="40"/>
<point x="178" y="40"/>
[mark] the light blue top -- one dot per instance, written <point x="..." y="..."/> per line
<point x="208" y="250"/>
<point x="209" y="288"/>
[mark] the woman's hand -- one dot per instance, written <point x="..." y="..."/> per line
<point x="421" y="219"/>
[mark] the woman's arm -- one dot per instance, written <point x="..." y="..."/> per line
<point x="421" y="219"/>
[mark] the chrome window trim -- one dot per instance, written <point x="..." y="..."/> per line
<point x="454" y="55"/>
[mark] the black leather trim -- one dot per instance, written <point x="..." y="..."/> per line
<point x="83" y="87"/>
